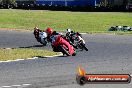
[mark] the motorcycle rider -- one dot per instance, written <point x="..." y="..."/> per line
<point x="53" y="35"/>
<point x="40" y="35"/>
<point x="36" y="33"/>
<point x="50" y="33"/>
<point x="70" y="34"/>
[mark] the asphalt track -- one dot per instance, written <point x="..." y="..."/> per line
<point x="107" y="54"/>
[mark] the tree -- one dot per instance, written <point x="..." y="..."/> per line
<point x="125" y="2"/>
<point x="1" y="1"/>
<point x="8" y="1"/>
<point x="130" y="1"/>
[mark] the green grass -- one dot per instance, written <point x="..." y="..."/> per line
<point x="13" y="54"/>
<point x="93" y="22"/>
<point x="90" y="22"/>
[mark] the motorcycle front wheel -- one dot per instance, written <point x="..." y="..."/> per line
<point x="83" y="45"/>
<point x="63" y="50"/>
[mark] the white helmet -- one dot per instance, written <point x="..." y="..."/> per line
<point x="68" y="30"/>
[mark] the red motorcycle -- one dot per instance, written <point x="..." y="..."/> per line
<point x="62" y="45"/>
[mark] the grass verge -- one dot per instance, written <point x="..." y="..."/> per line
<point x="90" y="22"/>
<point x="13" y="54"/>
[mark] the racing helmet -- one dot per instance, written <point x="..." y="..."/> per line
<point x="36" y="30"/>
<point x="49" y="31"/>
<point x="68" y="31"/>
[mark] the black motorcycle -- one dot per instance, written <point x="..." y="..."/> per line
<point x="77" y="41"/>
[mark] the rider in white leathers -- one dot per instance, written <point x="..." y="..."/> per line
<point x="40" y="35"/>
<point x="43" y="36"/>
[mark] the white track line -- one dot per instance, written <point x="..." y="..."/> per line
<point x="54" y="55"/>
<point x="5" y="86"/>
<point x="7" y="48"/>
<point x="26" y="84"/>
<point x="23" y="85"/>
<point x="29" y="58"/>
<point x="16" y="85"/>
<point x="33" y="58"/>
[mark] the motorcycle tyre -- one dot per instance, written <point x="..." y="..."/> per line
<point x="64" y="51"/>
<point x="83" y="45"/>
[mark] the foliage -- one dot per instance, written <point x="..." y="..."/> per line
<point x="8" y="1"/>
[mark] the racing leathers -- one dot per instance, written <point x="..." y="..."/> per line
<point x="51" y="38"/>
<point x="41" y="37"/>
<point x="69" y="37"/>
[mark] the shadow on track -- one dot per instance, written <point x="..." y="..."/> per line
<point x="34" y="46"/>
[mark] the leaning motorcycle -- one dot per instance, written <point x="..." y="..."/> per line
<point x="62" y="45"/>
<point x="42" y="38"/>
<point x="79" y="42"/>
